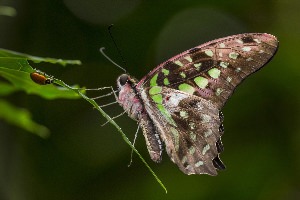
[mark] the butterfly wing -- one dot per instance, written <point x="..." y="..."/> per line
<point x="183" y="96"/>
<point x="214" y="69"/>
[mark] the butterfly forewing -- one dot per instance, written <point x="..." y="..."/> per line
<point x="214" y="69"/>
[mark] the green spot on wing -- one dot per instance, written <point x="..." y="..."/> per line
<point x="209" y="53"/>
<point x="186" y="88"/>
<point x="166" y="114"/>
<point x="214" y="73"/>
<point x="155" y="90"/>
<point x="157" y="98"/>
<point x="188" y="58"/>
<point x="233" y="55"/>
<point x="201" y="82"/>
<point x="166" y="81"/>
<point x="153" y="80"/>
<point x="165" y="72"/>
<point x="178" y="63"/>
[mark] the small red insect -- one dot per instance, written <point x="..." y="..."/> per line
<point x="41" y="78"/>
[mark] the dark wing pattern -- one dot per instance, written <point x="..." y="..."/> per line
<point x="184" y="95"/>
<point x="214" y="69"/>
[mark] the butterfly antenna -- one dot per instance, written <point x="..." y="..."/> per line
<point x="114" y="41"/>
<point x="108" y="58"/>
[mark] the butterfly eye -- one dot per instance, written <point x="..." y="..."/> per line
<point x="123" y="79"/>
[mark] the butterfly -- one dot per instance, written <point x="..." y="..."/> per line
<point x="178" y="104"/>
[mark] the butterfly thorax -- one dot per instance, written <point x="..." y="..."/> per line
<point x="128" y="97"/>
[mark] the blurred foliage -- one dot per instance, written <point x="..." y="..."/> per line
<point x="21" y="118"/>
<point x="8" y="11"/>
<point x="82" y="160"/>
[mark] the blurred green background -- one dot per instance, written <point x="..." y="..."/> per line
<point x="82" y="160"/>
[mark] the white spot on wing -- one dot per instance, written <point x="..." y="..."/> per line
<point x="199" y="163"/>
<point x="224" y="64"/>
<point x="174" y="99"/>
<point x="183" y="114"/>
<point x="193" y="136"/>
<point x="189" y="167"/>
<point x="222" y="45"/>
<point x="184" y="159"/>
<point x="239" y="41"/>
<point x="192" y="125"/>
<point x="246" y="49"/>
<point x="192" y="150"/>
<point x="205" y="149"/>
<point x="205" y="118"/>
<point x="228" y="79"/>
<point x="208" y="133"/>
<point x="175" y="135"/>
<point x="219" y="91"/>
<point x="257" y="41"/>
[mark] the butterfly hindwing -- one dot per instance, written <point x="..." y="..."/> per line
<point x="189" y="129"/>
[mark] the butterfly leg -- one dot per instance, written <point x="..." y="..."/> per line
<point x="119" y="115"/>
<point x="133" y="143"/>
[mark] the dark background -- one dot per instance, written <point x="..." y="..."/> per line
<point x="82" y="160"/>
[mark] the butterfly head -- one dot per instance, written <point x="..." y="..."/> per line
<point x="126" y="80"/>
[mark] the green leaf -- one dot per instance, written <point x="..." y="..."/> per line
<point x="21" y="118"/>
<point x="7" y="53"/>
<point x="17" y="71"/>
